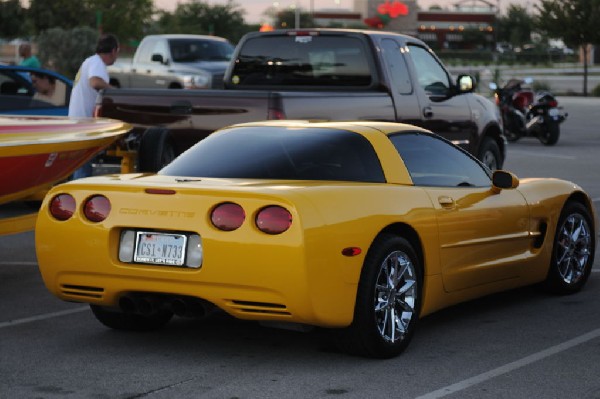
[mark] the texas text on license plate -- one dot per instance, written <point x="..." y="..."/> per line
<point x="160" y="248"/>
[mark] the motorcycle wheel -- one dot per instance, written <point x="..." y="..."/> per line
<point x="551" y="133"/>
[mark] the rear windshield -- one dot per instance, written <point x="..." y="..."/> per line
<point x="194" y="50"/>
<point x="302" y="60"/>
<point x="280" y="153"/>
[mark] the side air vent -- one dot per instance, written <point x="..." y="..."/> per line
<point x="539" y="240"/>
<point x="80" y="291"/>
<point x="260" y="308"/>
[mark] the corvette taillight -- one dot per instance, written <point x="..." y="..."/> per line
<point x="227" y="216"/>
<point x="96" y="208"/>
<point x="62" y="206"/>
<point x="273" y="220"/>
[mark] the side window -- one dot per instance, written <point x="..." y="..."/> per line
<point x="161" y="48"/>
<point x="432" y="77"/>
<point x="397" y="66"/>
<point x="144" y="53"/>
<point x="432" y="161"/>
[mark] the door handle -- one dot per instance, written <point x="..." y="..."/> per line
<point x="445" y="201"/>
<point x="427" y="112"/>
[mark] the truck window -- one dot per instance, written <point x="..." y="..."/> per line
<point x="303" y="60"/>
<point x="397" y="66"/>
<point x="432" y="77"/>
<point x="194" y="50"/>
<point x="145" y="51"/>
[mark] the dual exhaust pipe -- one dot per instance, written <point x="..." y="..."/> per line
<point x="149" y="304"/>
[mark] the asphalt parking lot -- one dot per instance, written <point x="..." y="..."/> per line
<point x="519" y="344"/>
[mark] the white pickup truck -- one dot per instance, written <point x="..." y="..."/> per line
<point x="175" y="62"/>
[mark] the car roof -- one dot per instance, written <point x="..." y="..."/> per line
<point x="19" y="68"/>
<point x="362" y="127"/>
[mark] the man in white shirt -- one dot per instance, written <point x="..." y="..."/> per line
<point x="92" y="77"/>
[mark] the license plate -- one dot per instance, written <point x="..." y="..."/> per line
<point x="160" y="248"/>
<point x="554" y="112"/>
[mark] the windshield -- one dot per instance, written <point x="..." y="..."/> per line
<point x="281" y="153"/>
<point x="194" y="50"/>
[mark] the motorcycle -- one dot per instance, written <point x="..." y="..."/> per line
<point x="528" y="114"/>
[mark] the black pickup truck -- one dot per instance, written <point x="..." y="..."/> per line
<point x="316" y="74"/>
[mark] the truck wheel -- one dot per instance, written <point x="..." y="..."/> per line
<point x="489" y="154"/>
<point x="156" y="150"/>
<point x="387" y="302"/>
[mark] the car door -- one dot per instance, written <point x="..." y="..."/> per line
<point x="441" y="112"/>
<point x="483" y="233"/>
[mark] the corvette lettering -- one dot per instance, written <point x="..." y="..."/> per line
<point x="151" y="212"/>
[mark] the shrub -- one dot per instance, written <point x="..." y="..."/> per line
<point x="64" y="50"/>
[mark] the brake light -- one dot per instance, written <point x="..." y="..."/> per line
<point x="302" y="33"/>
<point x="62" y="206"/>
<point x="96" y="208"/>
<point x="276" y="114"/>
<point x="273" y="219"/>
<point x="553" y="103"/>
<point x="227" y="216"/>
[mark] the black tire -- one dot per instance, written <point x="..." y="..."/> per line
<point x="156" y="150"/>
<point x="119" y="320"/>
<point x="489" y="154"/>
<point x="379" y="298"/>
<point x="550" y="133"/>
<point x="573" y="250"/>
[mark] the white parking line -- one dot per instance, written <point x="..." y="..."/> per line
<point x="24" y="263"/>
<point x="507" y="368"/>
<point x="46" y="316"/>
<point x="541" y="154"/>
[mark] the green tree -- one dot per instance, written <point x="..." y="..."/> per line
<point x="12" y="16"/>
<point x="576" y="22"/>
<point x="124" y="18"/>
<point x="516" y="27"/>
<point x="65" y="14"/>
<point x="199" y="17"/>
<point x="287" y="19"/>
<point x="63" y="50"/>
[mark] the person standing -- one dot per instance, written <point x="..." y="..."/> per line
<point x="93" y="76"/>
<point x="90" y="79"/>
<point x="29" y="60"/>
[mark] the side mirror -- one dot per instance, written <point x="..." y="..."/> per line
<point x="465" y="83"/>
<point x="157" y="58"/>
<point x="502" y="180"/>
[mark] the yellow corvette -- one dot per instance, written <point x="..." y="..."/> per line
<point x="360" y="227"/>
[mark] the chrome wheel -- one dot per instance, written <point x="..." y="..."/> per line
<point x="573" y="248"/>
<point x="395" y="296"/>
<point x="388" y="300"/>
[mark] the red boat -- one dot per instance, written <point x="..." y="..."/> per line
<point x="36" y="152"/>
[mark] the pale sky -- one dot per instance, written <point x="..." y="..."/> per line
<point x="256" y="8"/>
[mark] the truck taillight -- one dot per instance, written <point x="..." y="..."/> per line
<point x="275" y="114"/>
